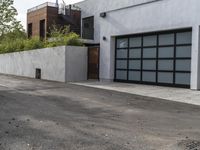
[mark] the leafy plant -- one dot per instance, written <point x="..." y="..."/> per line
<point x="12" y="36"/>
<point x="33" y="43"/>
<point x="8" y="21"/>
<point x="59" y="36"/>
<point x="17" y="40"/>
<point x="73" y="40"/>
<point x="58" y="31"/>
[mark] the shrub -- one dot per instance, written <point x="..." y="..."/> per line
<point x="73" y="40"/>
<point x="8" y="47"/>
<point x="33" y="43"/>
<point x="16" y="34"/>
<point x="17" y="40"/>
<point x="62" y="36"/>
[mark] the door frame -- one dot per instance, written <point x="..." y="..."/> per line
<point x="95" y="46"/>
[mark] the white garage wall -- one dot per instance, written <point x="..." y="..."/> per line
<point x="156" y="16"/>
<point x="95" y="7"/>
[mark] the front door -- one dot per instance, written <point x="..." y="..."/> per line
<point x="93" y="63"/>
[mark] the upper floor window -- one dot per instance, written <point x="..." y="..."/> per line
<point x="30" y="28"/>
<point x="88" y="28"/>
<point x="42" y="29"/>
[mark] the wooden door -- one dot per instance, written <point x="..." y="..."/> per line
<point x="93" y="63"/>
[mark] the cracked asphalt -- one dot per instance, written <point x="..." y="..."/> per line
<point x="42" y="115"/>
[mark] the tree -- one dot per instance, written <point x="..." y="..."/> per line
<point x="8" y="21"/>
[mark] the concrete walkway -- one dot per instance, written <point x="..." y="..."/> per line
<point x="168" y="93"/>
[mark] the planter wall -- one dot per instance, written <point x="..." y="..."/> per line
<point x="63" y="64"/>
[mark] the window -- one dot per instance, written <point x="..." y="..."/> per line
<point x="42" y="29"/>
<point x="30" y="28"/>
<point x="88" y="28"/>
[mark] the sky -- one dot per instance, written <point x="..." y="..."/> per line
<point x="23" y="5"/>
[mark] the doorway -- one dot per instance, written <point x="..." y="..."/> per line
<point x="93" y="62"/>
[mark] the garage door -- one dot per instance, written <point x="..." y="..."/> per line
<point x="162" y="58"/>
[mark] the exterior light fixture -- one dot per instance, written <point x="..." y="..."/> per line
<point x="103" y="14"/>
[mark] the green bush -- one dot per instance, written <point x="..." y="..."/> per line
<point x="33" y="43"/>
<point x="8" y="47"/>
<point x="73" y="40"/>
<point x="17" y="41"/>
<point x="60" y="36"/>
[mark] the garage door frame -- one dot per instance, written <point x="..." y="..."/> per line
<point x="157" y="34"/>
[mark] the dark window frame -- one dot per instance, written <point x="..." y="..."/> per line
<point x="141" y="70"/>
<point x="42" y="29"/>
<point x="30" y="30"/>
<point x="89" y="35"/>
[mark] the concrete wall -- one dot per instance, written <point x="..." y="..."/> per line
<point x="76" y="63"/>
<point x="56" y="64"/>
<point x="156" y="16"/>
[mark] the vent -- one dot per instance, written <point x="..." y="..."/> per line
<point x="38" y="73"/>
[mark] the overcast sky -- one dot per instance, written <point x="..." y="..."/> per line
<point x="23" y="5"/>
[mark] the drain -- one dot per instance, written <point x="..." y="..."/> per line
<point x="190" y="145"/>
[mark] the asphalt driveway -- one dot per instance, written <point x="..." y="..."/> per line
<point x="40" y="115"/>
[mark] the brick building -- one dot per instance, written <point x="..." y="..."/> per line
<point x="42" y="17"/>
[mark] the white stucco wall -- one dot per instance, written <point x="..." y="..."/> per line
<point x="141" y="16"/>
<point x="95" y="7"/>
<point x="157" y="16"/>
<point x="53" y="63"/>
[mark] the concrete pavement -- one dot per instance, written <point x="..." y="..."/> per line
<point x="41" y="115"/>
<point x="168" y="93"/>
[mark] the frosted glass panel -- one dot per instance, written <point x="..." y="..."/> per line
<point x="166" y="52"/>
<point x="165" y="65"/>
<point x="183" y="51"/>
<point x="165" y="77"/>
<point x="122" y="53"/>
<point x="121" y="64"/>
<point x="134" y="75"/>
<point x="135" y="42"/>
<point x="182" y="78"/>
<point x="135" y="53"/>
<point x="166" y="39"/>
<point x="149" y="76"/>
<point x="184" y="38"/>
<point x="150" y="40"/>
<point x="183" y="65"/>
<point x="149" y="64"/>
<point x="149" y="53"/>
<point x="122" y="43"/>
<point x="121" y="75"/>
<point x="134" y="64"/>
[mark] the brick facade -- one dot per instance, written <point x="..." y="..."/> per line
<point x="51" y="16"/>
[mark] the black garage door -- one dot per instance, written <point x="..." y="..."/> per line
<point x="162" y="58"/>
